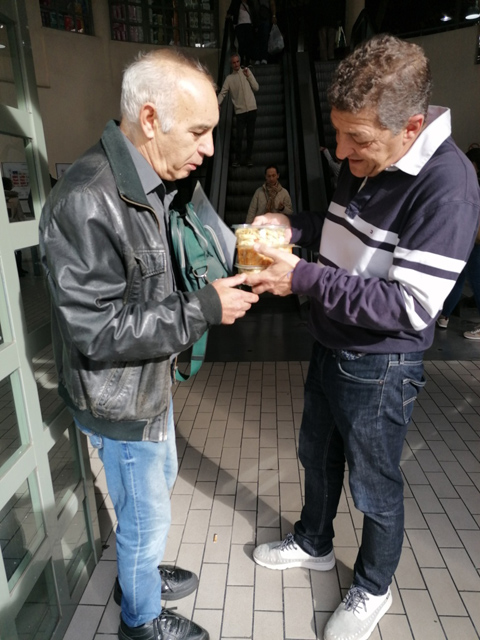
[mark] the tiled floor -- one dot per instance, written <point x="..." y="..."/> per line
<point x="240" y="484"/>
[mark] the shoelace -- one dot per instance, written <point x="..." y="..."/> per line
<point x="355" y="598"/>
<point x="169" y="621"/>
<point x="168" y="578"/>
<point x="288" y="543"/>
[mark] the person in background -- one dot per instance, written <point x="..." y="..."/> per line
<point x="242" y="14"/>
<point x="119" y="319"/>
<point x="267" y="15"/>
<point x="241" y="85"/>
<point x="396" y="236"/>
<point x="271" y="197"/>
<point x="471" y="270"/>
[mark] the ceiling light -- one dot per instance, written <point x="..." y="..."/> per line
<point x="473" y="12"/>
<point x="445" y="18"/>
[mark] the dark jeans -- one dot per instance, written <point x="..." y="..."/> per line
<point x="245" y="121"/>
<point x="244" y="33"/>
<point x="357" y="409"/>
<point x="263" y="34"/>
<point x="472" y="270"/>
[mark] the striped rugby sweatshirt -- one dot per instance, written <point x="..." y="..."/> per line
<point x="390" y="250"/>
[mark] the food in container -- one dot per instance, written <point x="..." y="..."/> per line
<point x="242" y="268"/>
<point x="247" y="235"/>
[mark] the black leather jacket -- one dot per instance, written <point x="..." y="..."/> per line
<point x="117" y="319"/>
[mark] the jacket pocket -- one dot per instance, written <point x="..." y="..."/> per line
<point x="151" y="263"/>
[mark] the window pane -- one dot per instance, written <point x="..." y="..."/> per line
<point x="10" y="440"/>
<point x="39" y="615"/>
<point x="67" y="15"/>
<point x="21" y="529"/>
<point x="34" y="288"/>
<point x="164" y="22"/>
<point x="15" y="178"/>
<point x="47" y="383"/>
<point x="64" y="468"/>
<point x="76" y="547"/>
<point x="8" y="92"/>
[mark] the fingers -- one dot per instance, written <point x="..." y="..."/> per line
<point x="235" y="302"/>
<point x="233" y="281"/>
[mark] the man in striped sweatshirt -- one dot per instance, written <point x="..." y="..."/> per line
<point x="395" y="238"/>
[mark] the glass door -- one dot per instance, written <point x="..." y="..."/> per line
<point x="49" y="534"/>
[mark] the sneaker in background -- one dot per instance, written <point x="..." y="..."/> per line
<point x="474" y="334"/>
<point x="357" y="616"/>
<point x="287" y="555"/>
<point x="442" y="322"/>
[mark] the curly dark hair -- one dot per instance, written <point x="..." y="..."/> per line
<point x="387" y="75"/>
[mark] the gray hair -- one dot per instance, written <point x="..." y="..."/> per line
<point x="153" y="77"/>
<point x="387" y="75"/>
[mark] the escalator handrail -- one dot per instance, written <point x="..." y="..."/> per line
<point x="217" y="173"/>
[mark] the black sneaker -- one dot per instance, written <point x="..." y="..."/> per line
<point x="249" y="162"/>
<point x="235" y="164"/>
<point x="168" y="626"/>
<point x="176" y="583"/>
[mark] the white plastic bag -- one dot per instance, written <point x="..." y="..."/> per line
<point x="275" y="41"/>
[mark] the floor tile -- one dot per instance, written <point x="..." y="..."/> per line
<point x="241" y="484"/>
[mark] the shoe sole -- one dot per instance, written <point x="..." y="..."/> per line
<point x="302" y="564"/>
<point x="472" y="337"/>
<point x="385" y="607"/>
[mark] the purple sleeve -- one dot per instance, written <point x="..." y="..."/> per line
<point x="369" y="303"/>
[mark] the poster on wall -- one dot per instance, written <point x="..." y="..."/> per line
<point x="61" y="167"/>
<point x="18" y="174"/>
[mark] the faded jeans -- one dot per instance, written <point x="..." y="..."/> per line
<point x="357" y="408"/>
<point x="140" y="476"/>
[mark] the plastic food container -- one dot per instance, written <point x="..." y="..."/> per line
<point x="247" y="235"/>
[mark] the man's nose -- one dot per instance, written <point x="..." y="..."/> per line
<point x="344" y="146"/>
<point x="207" y="147"/>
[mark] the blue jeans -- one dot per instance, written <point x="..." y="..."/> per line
<point x="139" y="477"/>
<point x="357" y="407"/>
<point x="472" y="270"/>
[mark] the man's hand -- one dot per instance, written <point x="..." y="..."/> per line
<point x="235" y="302"/>
<point x="275" y="218"/>
<point x="277" y="278"/>
<point x="245" y="71"/>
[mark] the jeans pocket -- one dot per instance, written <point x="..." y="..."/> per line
<point x="410" y="390"/>
<point x="364" y="368"/>
<point x="96" y="439"/>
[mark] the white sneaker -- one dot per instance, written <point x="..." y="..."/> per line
<point x="357" y="616"/>
<point x="474" y="334"/>
<point x="287" y="555"/>
<point x="442" y="322"/>
<point x="264" y="61"/>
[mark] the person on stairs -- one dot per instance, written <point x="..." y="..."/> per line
<point x="241" y="85"/>
<point x="271" y="197"/>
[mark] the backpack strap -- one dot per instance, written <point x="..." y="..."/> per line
<point x="196" y="359"/>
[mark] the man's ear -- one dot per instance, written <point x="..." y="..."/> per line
<point x="414" y="126"/>
<point x="148" y="120"/>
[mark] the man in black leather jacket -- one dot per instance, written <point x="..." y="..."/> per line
<point x="119" y="320"/>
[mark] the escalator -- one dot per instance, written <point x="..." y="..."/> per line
<point x="270" y="146"/>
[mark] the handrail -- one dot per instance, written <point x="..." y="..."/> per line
<point x="217" y="171"/>
<point x="294" y="170"/>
